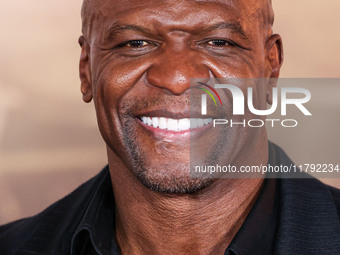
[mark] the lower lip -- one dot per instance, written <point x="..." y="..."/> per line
<point x="174" y="136"/>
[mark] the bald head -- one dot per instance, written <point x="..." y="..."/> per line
<point x="270" y="12"/>
<point x="86" y="13"/>
<point x="262" y="9"/>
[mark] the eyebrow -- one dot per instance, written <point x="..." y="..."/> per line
<point x="233" y="26"/>
<point x="117" y="28"/>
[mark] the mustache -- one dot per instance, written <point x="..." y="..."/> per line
<point x="182" y="104"/>
<point x="137" y="105"/>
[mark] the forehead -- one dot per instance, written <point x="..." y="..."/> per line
<point x="185" y="14"/>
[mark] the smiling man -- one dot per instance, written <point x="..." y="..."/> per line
<point x="137" y="60"/>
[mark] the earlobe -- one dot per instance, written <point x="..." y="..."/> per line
<point x="275" y="60"/>
<point x="84" y="71"/>
<point x="271" y="85"/>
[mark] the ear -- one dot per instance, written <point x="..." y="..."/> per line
<point x="275" y="61"/>
<point x="84" y="71"/>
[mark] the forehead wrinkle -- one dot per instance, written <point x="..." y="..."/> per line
<point x="263" y="12"/>
<point x="263" y="8"/>
<point x="88" y="16"/>
<point x="117" y="28"/>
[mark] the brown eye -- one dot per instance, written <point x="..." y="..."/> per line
<point x="218" y="43"/>
<point x="137" y="44"/>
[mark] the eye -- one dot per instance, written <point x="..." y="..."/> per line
<point x="218" y="43"/>
<point x="137" y="44"/>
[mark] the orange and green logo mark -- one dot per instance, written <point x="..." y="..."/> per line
<point x="209" y="93"/>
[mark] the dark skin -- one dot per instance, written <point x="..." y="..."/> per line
<point x="137" y="59"/>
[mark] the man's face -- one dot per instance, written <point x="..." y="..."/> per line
<point x="141" y="56"/>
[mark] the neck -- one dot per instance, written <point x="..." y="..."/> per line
<point x="149" y="222"/>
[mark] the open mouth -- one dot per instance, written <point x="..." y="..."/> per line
<point x="175" y="125"/>
<point x="175" y="129"/>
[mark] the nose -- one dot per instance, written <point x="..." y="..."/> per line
<point x="173" y="69"/>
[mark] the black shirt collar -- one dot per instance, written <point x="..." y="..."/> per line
<point x="257" y="234"/>
<point x="96" y="231"/>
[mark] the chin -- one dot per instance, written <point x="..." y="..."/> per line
<point x="170" y="178"/>
<point x="171" y="183"/>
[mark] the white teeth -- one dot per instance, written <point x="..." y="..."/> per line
<point x="193" y="123"/>
<point x="172" y="124"/>
<point x="175" y="124"/>
<point x="200" y="122"/>
<point x="149" y="121"/>
<point x="162" y="123"/>
<point x="206" y="121"/>
<point x="183" y="124"/>
<point x="155" y="122"/>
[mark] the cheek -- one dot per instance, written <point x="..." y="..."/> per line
<point x="244" y="71"/>
<point x="112" y="81"/>
<point x="114" y="78"/>
<point x="245" y="65"/>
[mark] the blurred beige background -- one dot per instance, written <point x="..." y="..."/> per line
<point x="49" y="142"/>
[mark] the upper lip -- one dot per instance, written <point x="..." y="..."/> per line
<point x="168" y="113"/>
